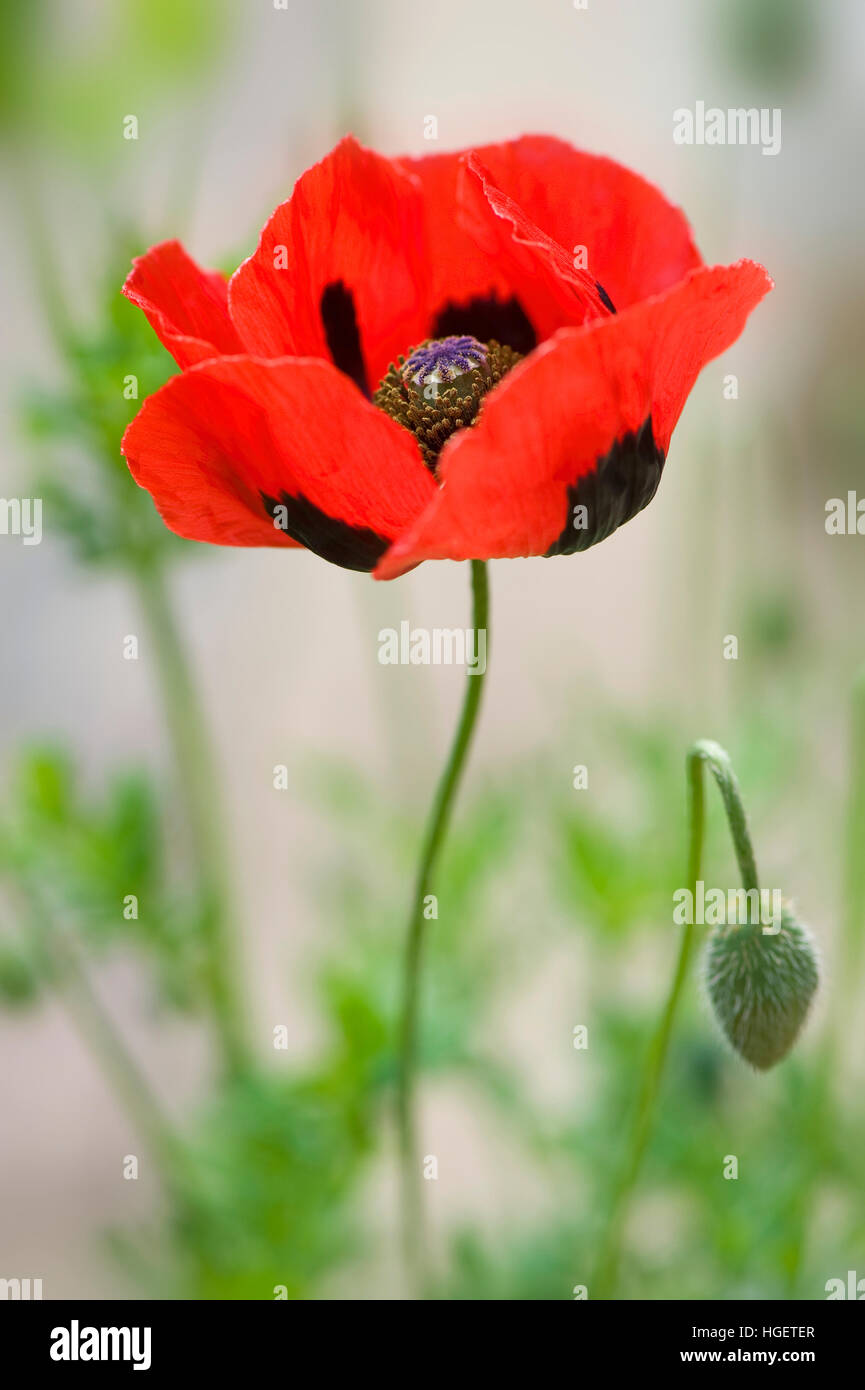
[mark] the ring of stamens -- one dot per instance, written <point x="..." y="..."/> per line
<point x="439" y="388"/>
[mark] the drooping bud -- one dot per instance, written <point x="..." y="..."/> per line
<point x="761" y="985"/>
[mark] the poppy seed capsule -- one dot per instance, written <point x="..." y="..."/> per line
<point x="761" y="986"/>
<point x="439" y="388"/>
<point x="444" y="363"/>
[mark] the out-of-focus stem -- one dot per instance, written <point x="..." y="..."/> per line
<point x="63" y="965"/>
<point x="853" y="932"/>
<point x="826" y="1083"/>
<point x="194" y="767"/>
<point x="412" y="1215"/>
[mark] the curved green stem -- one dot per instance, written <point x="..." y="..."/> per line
<point x="412" y="1204"/>
<point x="703" y="753"/>
<point x="718" y="762"/>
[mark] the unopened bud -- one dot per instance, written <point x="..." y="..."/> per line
<point x="761" y="986"/>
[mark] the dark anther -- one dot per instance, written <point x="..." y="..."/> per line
<point x="605" y="298"/>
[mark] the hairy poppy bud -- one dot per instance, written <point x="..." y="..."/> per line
<point x="761" y="986"/>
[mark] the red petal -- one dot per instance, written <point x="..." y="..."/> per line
<point x="218" y="440"/>
<point x="353" y="219"/>
<point x="557" y="416"/>
<point x="187" y="307"/>
<point x="459" y="270"/>
<point x="637" y="243"/>
<point x="553" y="291"/>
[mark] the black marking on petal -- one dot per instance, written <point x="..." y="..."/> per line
<point x="352" y="547"/>
<point x="339" y="320"/>
<point x="623" y="482"/>
<point x="487" y="317"/>
<point x="605" y="298"/>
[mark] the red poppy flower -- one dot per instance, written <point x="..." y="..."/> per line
<point x="462" y="356"/>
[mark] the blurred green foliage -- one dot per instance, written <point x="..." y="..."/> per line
<point x="117" y="59"/>
<point x="278" y="1162"/>
<point x="102" y="863"/>
<point x="110" y="367"/>
<point x="774" y="41"/>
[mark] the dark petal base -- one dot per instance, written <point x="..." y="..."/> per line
<point x="339" y="320"/>
<point x="623" y="482"/>
<point x="487" y="317"/>
<point x="351" y="547"/>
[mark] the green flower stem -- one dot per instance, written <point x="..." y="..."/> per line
<point x="193" y="759"/>
<point x="712" y="754"/>
<point x="703" y="753"/>
<point x="412" y="1205"/>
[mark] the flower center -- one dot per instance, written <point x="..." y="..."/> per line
<point x="442" y="362"/>
<point x="439" y="388"/>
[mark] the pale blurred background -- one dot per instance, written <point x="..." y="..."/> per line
<point x="234" y="101"/>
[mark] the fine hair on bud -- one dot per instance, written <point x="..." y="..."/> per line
<point x="761" y="985"/>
